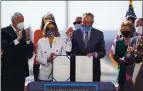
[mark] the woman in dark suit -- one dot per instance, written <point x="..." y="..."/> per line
<point x="121" y="49"/>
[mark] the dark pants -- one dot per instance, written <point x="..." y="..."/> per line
<point x="72" y="68"/>
<point x="121" y="87"/>
<point x="12" y="83"/>
<point x="36" y="71"/>
<point x="122" y="75"/>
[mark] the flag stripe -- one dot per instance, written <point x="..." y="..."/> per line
<point x="112" y="51"/>
<point x="112" y="59"/>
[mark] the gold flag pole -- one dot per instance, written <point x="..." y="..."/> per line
<point x="131" y="3"/>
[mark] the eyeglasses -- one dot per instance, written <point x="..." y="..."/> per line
<point x="79" y="22"/>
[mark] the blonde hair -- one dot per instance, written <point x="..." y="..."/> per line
<point x="128" y="24"/>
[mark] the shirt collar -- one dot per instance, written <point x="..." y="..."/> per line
<point x="13" y="27"/>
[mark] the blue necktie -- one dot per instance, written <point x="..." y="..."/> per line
<point x="86" y="39"/>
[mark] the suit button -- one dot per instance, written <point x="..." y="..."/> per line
<point x="45" y="52"/>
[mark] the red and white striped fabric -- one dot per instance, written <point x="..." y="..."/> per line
<point x="112" y="50"/>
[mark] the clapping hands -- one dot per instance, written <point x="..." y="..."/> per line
<point x="27" y="34"/>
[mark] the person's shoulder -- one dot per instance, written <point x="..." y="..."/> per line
<point x="38" y="30"/>
<point x="59" y="38"/>
<point x="97" y="30"/>
<point x="120" y="40"/>
<point x="42" y="39"/>
<point x="4" y="29"/>
<point x="76" y="31"/>
<point x="134" y="38"/>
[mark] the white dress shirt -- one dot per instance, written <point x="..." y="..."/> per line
<point x="136" y="71"/>
<point x="84" y="34"/>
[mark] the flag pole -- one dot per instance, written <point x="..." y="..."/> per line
<point x="131" y="3"/>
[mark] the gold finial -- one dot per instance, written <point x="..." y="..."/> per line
<point x="130" y="3"/>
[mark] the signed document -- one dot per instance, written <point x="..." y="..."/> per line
<point x="61" y="68"/>
<point x="84" y="69"/>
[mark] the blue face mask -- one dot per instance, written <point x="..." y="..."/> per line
<point x="86" y="28"/>
<point x="77" y="26"/>
<point x="50" y="33"/>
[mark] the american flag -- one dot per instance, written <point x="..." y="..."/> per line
<point x="130" y="13"/>
<point x="112" y="50"/>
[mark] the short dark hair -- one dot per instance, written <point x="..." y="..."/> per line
<point x="89" y="14"/>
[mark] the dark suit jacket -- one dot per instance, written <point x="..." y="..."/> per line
<point x="129" y="59"/>
<point x="138" y="86"/>
<point x="96" y="43"/>
<point x="133" y="40"/>
<point x="15" y="57"/>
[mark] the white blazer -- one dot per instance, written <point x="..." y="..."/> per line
<point x="59" y="47"/>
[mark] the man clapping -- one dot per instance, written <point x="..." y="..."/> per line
<point x="17" y="49"/>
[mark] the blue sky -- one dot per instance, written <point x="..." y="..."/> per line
<point x="108" y="14"/>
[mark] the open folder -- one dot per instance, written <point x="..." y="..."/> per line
<point x="61" y="69"/>
<point x="84" y="69"/>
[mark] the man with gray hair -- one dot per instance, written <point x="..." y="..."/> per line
<point x="17" y="49"/>
<point x="88" y="41"/>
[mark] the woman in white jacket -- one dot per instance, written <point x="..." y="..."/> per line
<point x="50" y="46"/>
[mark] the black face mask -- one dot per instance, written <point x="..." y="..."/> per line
<point x="126" y="34"/>
<point x="138" y="58"/>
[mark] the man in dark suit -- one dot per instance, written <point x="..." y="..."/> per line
<point x="134" y="60"/>
<point x="88" y="41"/>
<point x="17" y="49"/>
<point x="134" y="72"/>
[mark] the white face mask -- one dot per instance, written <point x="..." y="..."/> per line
<point x="20" y="26"/>
<point x="139" y="30"/>
<point x="77" y="26"/>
